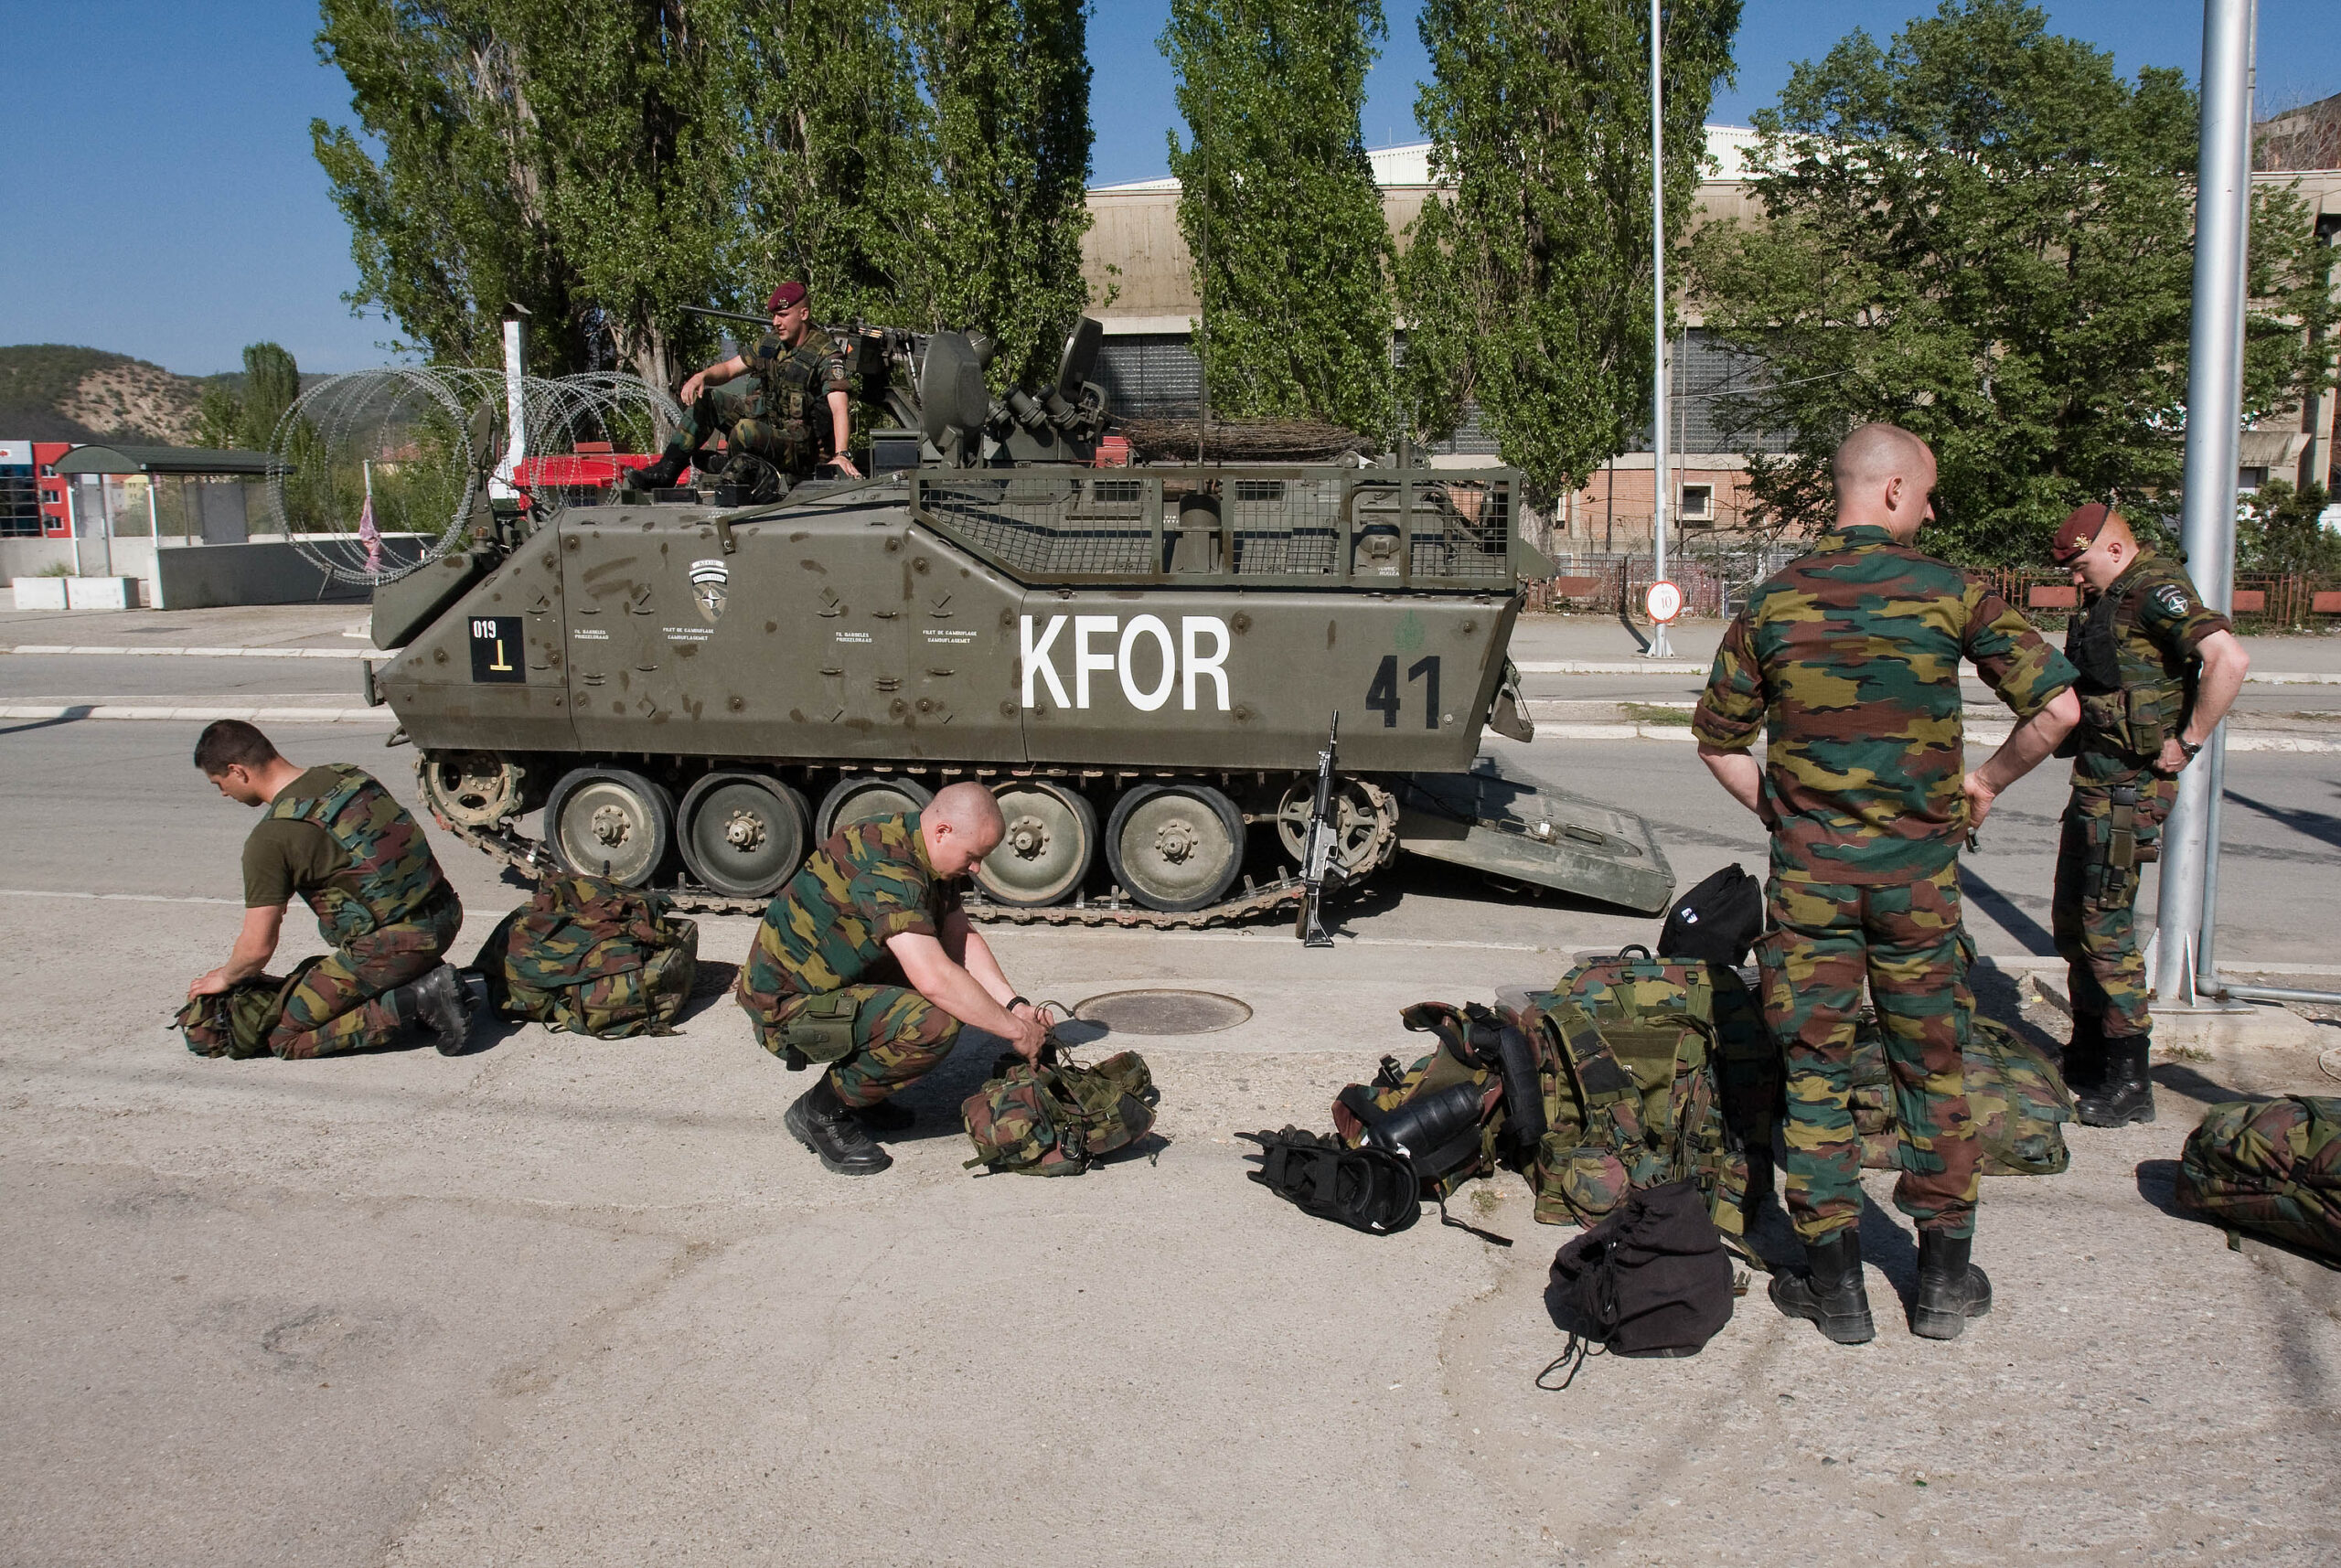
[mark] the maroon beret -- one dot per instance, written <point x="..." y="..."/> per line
<point x="2082" y="527"/>
<point x="784" y="297"/>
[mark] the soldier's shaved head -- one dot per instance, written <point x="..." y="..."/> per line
<point x="1883" y="474"/>
<point x="968" y="807"/>
<point x="961" y="826"/>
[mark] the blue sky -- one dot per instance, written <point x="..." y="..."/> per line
<point x="160" y="198"/>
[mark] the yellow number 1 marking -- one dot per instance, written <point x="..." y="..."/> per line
<point x="499" y="664"/>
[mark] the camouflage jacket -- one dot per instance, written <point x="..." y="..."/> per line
<point x="2133" y="645"/>
<point x="388" y="874"/>
<point x="870" y="881"/>
<point x="1847" y="661"/>
<point x="796" y="386"/>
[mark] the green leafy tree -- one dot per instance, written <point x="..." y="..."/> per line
<point x="227" y="416"/>
<point x="1527" y="286"/>
<point x="2279" y="533"/>
<point x="1008" y="167"/>
<point x="1982" y="232"/>
<point x="1279" y="205"/>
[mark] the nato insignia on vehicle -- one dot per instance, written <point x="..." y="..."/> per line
<point x="708" y="581"/>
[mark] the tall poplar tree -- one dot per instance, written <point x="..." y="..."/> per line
<point x="1007" y="140"/>
<point x="1278" y="206"/>
<point x="1981" y="231"/>
<point x="1527" y="286"/>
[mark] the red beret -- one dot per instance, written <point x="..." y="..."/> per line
<point x="784" y="297"/>
<point x="2079" y="531"/>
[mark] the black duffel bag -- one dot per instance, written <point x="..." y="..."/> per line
<point x="1653" y="1279"/>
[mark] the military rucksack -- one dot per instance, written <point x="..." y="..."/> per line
<point x="587" y="956"/>
<point x="235" y="1023"/>
<point x="2017" y="1098"/>
<point x="1448" y="1114"/>
<point x="1054" y="1116"/>
<point x="1633" y="1080"/>
<point x="2269" y="1166"/>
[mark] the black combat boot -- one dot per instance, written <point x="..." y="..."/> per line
<point x="663" y="474"/>
<point x="2083" y="1066"/>
<point x="442" y="1004"/>
<point x="1829" y="1292"/>
<point x="885" y="1116"/>
<point x="1950" y="1289"/>
<point x="823" y="1123"/>
<point x="2126" y="1093"/>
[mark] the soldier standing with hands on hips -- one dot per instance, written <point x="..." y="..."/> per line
<point x="1847" y="662"/>
<point x="2158" y="671"/>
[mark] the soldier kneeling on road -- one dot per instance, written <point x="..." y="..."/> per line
<point x="335" y="837"/>
<point x="866" y="963"/>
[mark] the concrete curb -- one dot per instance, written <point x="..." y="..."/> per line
<point x="376" y="718"/>
<point x="237" y="653"/>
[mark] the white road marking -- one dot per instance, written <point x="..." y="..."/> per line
<point x="112" y="898"/>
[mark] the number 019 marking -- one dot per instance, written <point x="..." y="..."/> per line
<point x="1383" y="697"/>
<point x="495" y="648"/>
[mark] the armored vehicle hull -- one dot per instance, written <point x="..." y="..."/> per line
<point x="1143" y="662"/>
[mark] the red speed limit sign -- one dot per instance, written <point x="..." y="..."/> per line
<point x="1664" y="600"/>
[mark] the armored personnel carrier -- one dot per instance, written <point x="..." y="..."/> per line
<point x="1141" y="662"/>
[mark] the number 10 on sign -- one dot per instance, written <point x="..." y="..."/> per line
<point x="1664" y="600"/>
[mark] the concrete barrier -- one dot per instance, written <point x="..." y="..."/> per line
<point x="264" y="573"/>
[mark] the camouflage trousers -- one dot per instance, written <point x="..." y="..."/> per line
<point x="736" y="410"/>
<point x="2094" y="916"/>
<point x="877" y="1038"/>
<point x="1826" y="941"/>
<point x="338" y="1004"/>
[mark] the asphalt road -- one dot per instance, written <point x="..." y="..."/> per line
<point x="565" y="1302"/>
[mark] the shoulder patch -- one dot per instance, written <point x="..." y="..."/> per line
<point x="2174" y="600"/>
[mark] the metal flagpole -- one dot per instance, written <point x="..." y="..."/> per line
<point x="2214" y="418"/>
<point x="1659" y="647"/>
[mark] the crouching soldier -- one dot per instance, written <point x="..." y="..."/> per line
<point x="867" y="965"/>
<point x="335" y="837"/>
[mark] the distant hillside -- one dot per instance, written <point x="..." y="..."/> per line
<point x="52" y="392"/>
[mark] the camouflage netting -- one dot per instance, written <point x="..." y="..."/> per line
<point x="1244" y="441"/>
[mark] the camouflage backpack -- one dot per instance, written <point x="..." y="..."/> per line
<point x="1636" y="1076"/>
<point x="1053" y="1117"/>
<point x="1447" y="1113"/>
<point x="2272" y="1165"/>
<point x="2018" y="1100"/>
<point x="592" y="957"/>
<point x="235" y="1023"/>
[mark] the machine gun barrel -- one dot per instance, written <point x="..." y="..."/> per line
<point x="726" y="315"/>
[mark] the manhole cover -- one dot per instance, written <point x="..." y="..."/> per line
<point x="1162" y="1012"/>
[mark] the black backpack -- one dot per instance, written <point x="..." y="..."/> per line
<point x="1650" y="1280"/>
<point x="1718" y="920"/>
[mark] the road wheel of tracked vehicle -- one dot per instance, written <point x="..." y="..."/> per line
<point x="743" y="834"/>
<point x="1365" y="833"/>
<point x="1175" y="847"/>
<point x="608" y="822"/>
<point x="470" y="789"/>
<point x="865" y="797"/>
<point x="1052" y="833"/>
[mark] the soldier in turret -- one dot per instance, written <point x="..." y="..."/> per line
<point x="334" y="836"/>
<point x="783" y="403"/>
<point x="2158" y="671"/>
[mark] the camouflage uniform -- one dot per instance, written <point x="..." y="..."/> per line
<point x="2134" y="648"/>
<point x="388" y="911"/>
<point x="1848" y="661"/>
<point x="779" y="411"/>
<point x="820" y="986"/>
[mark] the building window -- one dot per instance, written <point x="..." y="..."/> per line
<point x="1698" y="504"/>
<point x="2248" y="481"/>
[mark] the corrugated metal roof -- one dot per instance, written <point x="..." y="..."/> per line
<point x="162" y="459"/>
<point x="1408" y="164"/>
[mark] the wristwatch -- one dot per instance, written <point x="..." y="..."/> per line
<point x="2192" y="750"/>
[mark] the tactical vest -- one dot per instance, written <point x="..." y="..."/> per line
<point x="795" y="406"/>
<point x="2133" y="697"/>
<point x="390" y="876"/>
